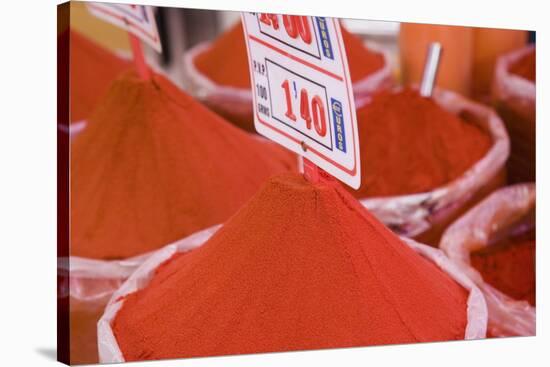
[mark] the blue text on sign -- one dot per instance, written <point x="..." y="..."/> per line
<point x="338" y="120"/>
<point x="325" y="38"/>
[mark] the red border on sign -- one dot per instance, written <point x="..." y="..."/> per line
<point x="130" y="23"/>
<point x="352" y="171"/>
<point x="290" y="56"/>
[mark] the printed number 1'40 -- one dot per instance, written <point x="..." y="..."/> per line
<point x="311" y="110"/>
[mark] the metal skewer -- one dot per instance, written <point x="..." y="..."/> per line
<point x="430" y="69"/>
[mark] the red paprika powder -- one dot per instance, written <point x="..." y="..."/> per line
<point x="509" y="267"/>
<point x="409" y="144"/>
<point x="226" y="60"/>
<point x="92" y="69"/>
<point x="526" y="66"/>
<point x="300" y="266"/>
<point x="154" y="166"/>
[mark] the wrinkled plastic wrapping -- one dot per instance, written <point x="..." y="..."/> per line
<point x="412" y="215"/>
<point x="75" y="129"/>
<point x="90" y="284"/>
<point x="236" y="103"/>
<point x="504" y="212"/>
<point x="515" y="100"/>
<point x="513" y="90"/>
<point x="93" y="280"/>
<point x="109" y="351"/>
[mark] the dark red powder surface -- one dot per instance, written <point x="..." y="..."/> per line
<point x="409" y="144"/>
<point x="510" y="268"/>
<point x="526" y="66"/>
<point x="300" y="266"/>
<point x="154" y="166"/>
<point x="226" y="61"/>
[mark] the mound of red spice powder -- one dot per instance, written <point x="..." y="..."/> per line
<point x="226" y="61"/>
<point x="300" y="266"/>
<point x="154" y="166"/>
<point x="409" y="144"/>
<point x="509" y="267"/>
<point x="526" y="66"/>
<point x="91" y="70"/>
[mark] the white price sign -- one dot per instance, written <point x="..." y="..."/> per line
<point x="136" y="19"/>
<point x="303" y="96"/>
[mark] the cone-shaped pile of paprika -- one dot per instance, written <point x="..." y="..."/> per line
<point x="230" y="49"/>
<point x="300" y="266"/>
<point x="409" y="144"/>
<point x="91" y="68"/>
<point x="154" y="166"/>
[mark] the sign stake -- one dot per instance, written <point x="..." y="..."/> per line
<point x="311" y="171"/>
<point x="139" y="59"/>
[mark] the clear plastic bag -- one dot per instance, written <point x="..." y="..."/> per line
<point x="74" y="130"/>
<point x="109" y="351"/>
<point x="513" y="90"/>
<point x="504" y="211"/>
<point x="515" y="99"/>
<point x="93" y="280"/>
<point x="89" y="284"/>
<point x="425" y="215"/>
<point x="236" y="104"/>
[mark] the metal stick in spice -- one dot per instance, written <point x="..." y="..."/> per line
<point x="430" y="69"/>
